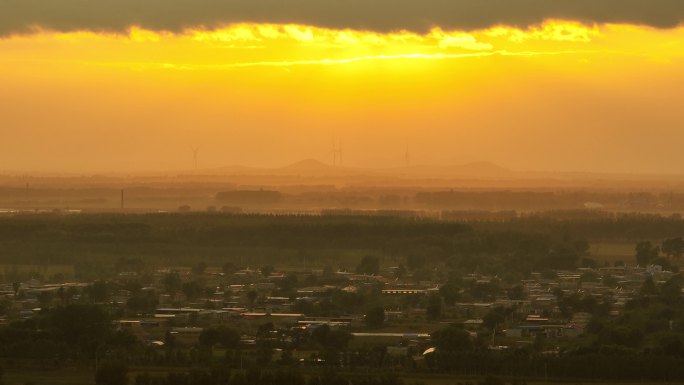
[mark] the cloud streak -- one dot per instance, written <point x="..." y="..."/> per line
<point x="321" y="62"/>
<point x="25" y="16"/>
<point x="411" y="56"/>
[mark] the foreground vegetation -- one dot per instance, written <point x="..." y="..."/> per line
<point x="79" y="240"/>
<point x="467" y="262"/>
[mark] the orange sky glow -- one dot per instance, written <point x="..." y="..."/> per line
<point x="555" y="96"/>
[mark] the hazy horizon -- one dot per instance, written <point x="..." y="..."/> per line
<point x="417" y="169"/>
<point x="530" y="88"/>
<point x="475" y="170"/>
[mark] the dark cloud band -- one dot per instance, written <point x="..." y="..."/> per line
<point x="22" y="16"/>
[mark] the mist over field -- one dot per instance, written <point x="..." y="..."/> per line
<point x="311" y="186"/>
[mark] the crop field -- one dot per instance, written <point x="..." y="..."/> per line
<point x="612" y="252"/>
<point x="65" y="376"/>
<point x="80" y="376"/>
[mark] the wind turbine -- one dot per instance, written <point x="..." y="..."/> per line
<point x="195" y="155"/>
<point x="336" y="152"/>
<point x="339" y="151"/>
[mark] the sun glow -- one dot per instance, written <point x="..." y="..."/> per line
<point x="285" y="82"/>
<point x="246" y="45"/>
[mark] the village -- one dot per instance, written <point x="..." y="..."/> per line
<point x="390" y="311"/>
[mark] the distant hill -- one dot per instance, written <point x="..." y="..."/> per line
<point x="470" y="170"/>
<point x="307" y="165"/>
<point x="485" y="168"/>
<point x="314" y="167"/>
<point x="234" y="170"/>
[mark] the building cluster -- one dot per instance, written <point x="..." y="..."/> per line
<point x="175" y="304"/>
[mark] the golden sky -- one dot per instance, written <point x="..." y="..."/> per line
<point x="552" y="95"/>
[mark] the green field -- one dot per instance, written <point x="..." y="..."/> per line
<point x="45" y="269"/>
<point x="612" y="252"/>
<point x="80" y="376"/>
<point x="67" y="376"/>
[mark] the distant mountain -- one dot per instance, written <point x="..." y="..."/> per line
<point x="313" y="167"/>
<point x="470" y="170"/>
<point x="307" y="165"/>
<point x="485" y="168"/>
<point x="234" y="170"/>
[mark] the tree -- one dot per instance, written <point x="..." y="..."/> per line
<point x="82" y="326"/>
<point x="375" y="317"/>
<point x="172" y="282"/>
<point x="208" y="337"/>
<point x="369" y="265"/>
<point x="144" y="302"/>
<point x="671" y="291"/>
<point x="646" y="253"/>
<point x="228" y="338"/>
<point x="122" y="339"/>
<point x="452" y="338"/>
<point x="111" y="373"/>
<point x="665" y="263"/>
<point x="252" y="297"/>
<point x="267" y="270"/>
<point x="199" y="268"/>
<point x="589" y="263"/>
<point x="328" y="272"/>
<point x="331" y="339"/>
<point x="415" y="262"/>
<point x="433" y="310"/>
<point x="45" y="298"/>
<point x="673" y="248"/>
<point x="143" y="379"/>
<point x="623" y="336"/>
<point x="169" y="340"/>
<point x="253" y="375"/>
<point x="264" y="353"/>
<point x="265" y="329"/>
<point x="581" y="247"/>
<point x="400" y="272"/>
<point x="98" y="291"/>
<point x="563" y="255"/>
<point x="288" y="283"/>
<point x="648" y="287"/>
<point x="229" y="268"/>
<point x="192" y="290"/>
<point x="239" y="379"/>
<point x="671" y="344"/>
<point x="492" y="380"/>
<point x="220" y="375"/>
<point x="124" y="264"/>
<point x="450" y="292"/>
<point x="494" y="318"/>
<point x="516" y="292"/>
